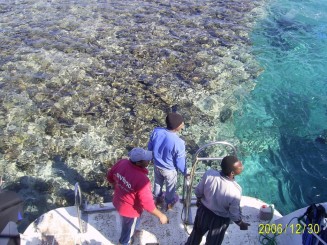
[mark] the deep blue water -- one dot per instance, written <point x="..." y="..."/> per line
<point x="282" y="126"/>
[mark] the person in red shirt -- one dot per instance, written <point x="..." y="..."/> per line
<point x="132" y="192"/>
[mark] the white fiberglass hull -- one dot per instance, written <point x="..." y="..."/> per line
<point x="61" y="226"/>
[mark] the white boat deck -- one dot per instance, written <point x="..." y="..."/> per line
<point x="61" y="226"/>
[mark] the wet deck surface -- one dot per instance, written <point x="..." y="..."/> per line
<point x="61" y="226"/>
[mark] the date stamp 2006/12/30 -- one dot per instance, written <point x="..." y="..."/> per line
<point x="277" y="229"/>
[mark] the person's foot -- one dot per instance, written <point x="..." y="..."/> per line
<point x="159" y="201"/>
<point x="171" y="205"/>
<point x="135" y="239"/>
<point x="138" y="232"/>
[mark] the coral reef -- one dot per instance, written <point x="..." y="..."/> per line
<point x="83" y="82"/>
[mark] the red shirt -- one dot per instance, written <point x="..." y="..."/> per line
<point x="132" y="189"/>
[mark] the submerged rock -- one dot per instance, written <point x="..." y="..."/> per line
<point x="225" y="114"/>
<point x="322" y="138"/>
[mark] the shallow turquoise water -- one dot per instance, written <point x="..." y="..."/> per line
<point x="280" y="122"/>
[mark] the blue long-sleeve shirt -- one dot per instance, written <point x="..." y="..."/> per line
<point x="168" y="150"/>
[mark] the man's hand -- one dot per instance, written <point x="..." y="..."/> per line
<point x="187" y="178"/>
<point x="164" y="219"/>
<point x="244" y="226"/>
<point x="198" y="202"/>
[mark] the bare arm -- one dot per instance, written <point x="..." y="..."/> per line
<point x="162" y="217"/>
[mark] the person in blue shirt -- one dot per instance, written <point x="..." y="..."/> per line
<point x="169" y="156"/>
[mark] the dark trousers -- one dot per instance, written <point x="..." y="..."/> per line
<point x="206" y="220"/>
<point x="128" y="228"/>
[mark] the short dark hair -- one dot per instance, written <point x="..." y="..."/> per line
<point x="174" y="120"/>
<point x="227" y="164"/>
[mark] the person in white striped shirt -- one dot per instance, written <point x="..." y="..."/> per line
<point x="218" y="200"/>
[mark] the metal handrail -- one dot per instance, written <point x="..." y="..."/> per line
<point x="211" y="144"/>
<point x="78" y="203"/>
<point x="1" y="182"/>
<point x="188" y="183"/>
